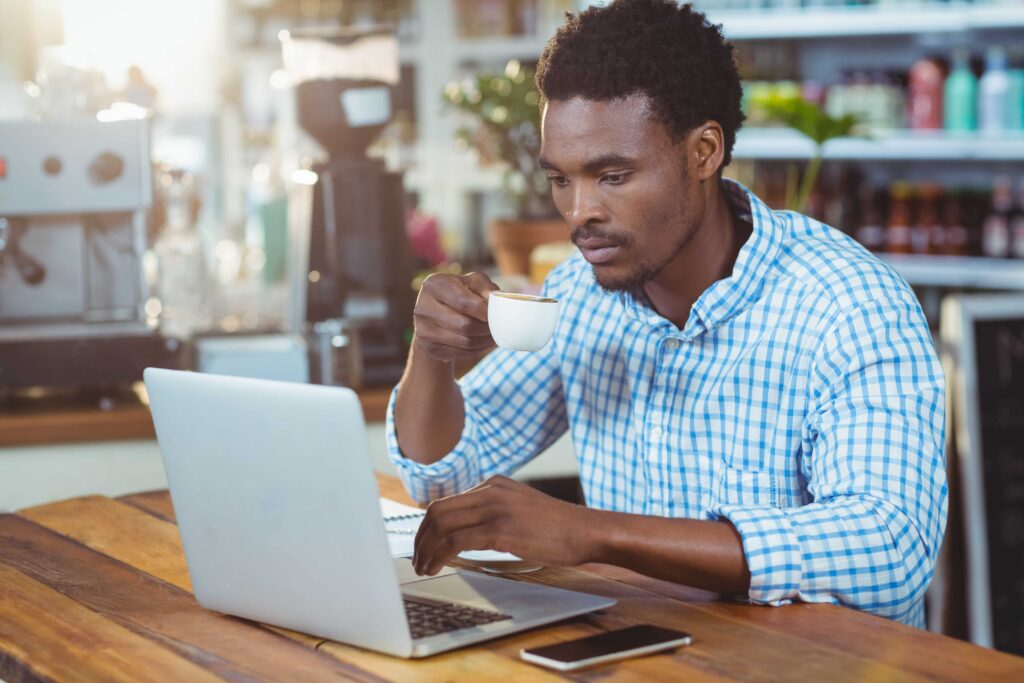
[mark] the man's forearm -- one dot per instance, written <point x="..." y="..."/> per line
<point x="699" y="553"/>
<point x="429" y="412"/>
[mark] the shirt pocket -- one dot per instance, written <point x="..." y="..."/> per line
<point x="736" y="486"/>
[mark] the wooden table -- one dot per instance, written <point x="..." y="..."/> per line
<point x="95" y="589"/>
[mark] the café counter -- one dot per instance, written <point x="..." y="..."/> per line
<point x="46" y="422"/>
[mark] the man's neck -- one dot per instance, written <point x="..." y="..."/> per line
<point x="708" y="257"/>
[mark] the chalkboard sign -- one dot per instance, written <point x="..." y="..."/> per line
<point x="986" y="335"/>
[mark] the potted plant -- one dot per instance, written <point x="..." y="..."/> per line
<point x="503" y="109"/>
<point x="811" y="120"/>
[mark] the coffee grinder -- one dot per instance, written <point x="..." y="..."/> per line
<point x="358" y="279"/>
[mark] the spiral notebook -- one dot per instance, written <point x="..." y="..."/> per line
<point x="402" y="522"/>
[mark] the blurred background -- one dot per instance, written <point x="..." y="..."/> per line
<point x="259" y="187"/>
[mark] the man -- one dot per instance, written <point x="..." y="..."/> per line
<point x="753" y="398"/>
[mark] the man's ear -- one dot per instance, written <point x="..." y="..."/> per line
<point x="707" y="149"/>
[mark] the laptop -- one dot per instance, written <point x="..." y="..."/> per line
<point x="280" y="518"/>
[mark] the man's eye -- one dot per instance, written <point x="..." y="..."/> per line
<point x="615" y="178"/>
<point x="558" y="180"/>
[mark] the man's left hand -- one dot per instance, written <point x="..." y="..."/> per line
<point x="504" y="515"/>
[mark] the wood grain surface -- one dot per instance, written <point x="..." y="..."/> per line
<point x="96" y="589"/>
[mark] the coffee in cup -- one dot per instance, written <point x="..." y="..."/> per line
<point x="521" y="322"/>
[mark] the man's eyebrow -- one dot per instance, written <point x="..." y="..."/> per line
<point x="596" y="164"/>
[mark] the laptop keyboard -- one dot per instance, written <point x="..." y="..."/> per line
<point x="431" y="617"/>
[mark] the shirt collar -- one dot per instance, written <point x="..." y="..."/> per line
<point x="727" y="297"/>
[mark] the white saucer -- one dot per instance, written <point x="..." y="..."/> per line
<point x="499" y="563"/>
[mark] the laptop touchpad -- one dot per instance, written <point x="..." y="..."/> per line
<point x="517" y="598"/>
<point x="406" y="574"/>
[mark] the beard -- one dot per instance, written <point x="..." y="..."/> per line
<point x="639" y="273"/>
<point x="631" y="281"/>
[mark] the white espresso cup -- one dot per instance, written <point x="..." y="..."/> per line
<point x="521" y="322"/>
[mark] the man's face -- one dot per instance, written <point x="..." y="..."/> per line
<point x="622" y="184"/>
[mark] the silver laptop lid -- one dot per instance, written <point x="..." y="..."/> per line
<point x="277" y="505"/>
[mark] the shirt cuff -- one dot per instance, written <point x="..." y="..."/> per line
<point x="772" y="549"/>
<point x="457" y="471"/>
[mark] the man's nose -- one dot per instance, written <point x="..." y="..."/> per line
<point x="586" y="206"/>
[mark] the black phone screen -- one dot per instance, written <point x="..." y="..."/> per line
<point x="630" y="638"/>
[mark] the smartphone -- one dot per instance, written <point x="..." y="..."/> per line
<point x="606" y="647"/>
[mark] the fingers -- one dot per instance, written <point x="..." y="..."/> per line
<point x="431" y="333"/>
<point x="437" y="511"/>
<point x="481" y="284"/>
<point x="452" y="525"/>
<point x="451" y="315"/>
<point x="476" y="519"/>
<point x="465" y="529"/>
<point x="465" y="294"/>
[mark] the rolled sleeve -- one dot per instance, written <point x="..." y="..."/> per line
<point x="842" y="552"/>
<point x="773" y="551"/>
<point x="456" y="471"/>
<point x="514" y="410"/>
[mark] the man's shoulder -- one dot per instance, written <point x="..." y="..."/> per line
<point x="831" y="266"/>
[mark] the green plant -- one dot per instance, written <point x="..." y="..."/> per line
<point x="504" y="110"/>
<point x="811" y="120"/>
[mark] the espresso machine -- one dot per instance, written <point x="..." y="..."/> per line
<point x="73" y="201"/>
<point x="358" y="278"/>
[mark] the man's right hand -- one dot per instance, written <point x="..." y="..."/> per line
<point x="450" y="317"/>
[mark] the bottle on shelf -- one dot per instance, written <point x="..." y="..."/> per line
<point x="1017" y="224"/>
<point x="896" y="98"/>
<point x="837" y="99"/>
<point x="960" y="94"/>
<point x="870" y="232"/>
<point x="929" y="234"/>
<point x="843" y="206"/>
<point x="813" y="92"/>
<point x="995" y="232"/>
<point x="956" y="233"/>
<point x="875" y="97"/>
<point x="883" y="101"/>
<point x="993" y="92"/>
<point x="974" y="208"/>
<point x="1013" y="114"/>
<point x="181" y="265"/>
<point x="859" y="96"/>
<point x="925" y="85"/>
<point x="897" y="228"/>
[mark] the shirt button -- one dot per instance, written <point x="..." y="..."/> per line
<point x="655" y="432"/>
<point x="672" y="344"/>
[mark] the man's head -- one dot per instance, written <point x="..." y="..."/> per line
<point x="641" y="105"/>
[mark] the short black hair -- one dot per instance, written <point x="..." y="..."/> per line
<point x="669" y="52"/>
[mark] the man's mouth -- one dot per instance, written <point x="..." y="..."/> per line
<point x="598" y="250"/>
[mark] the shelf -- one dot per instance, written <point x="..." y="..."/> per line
<point x="500" y="49"/>
<point x="866" y="21"/>
<point x="901" y="145"/>
<point x="958" y="271"/>
<point x="827" y="22"/>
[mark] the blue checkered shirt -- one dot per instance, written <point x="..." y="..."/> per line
<point x="802" y="401"/>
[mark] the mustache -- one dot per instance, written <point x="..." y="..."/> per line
<point x="580" y="233"/>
